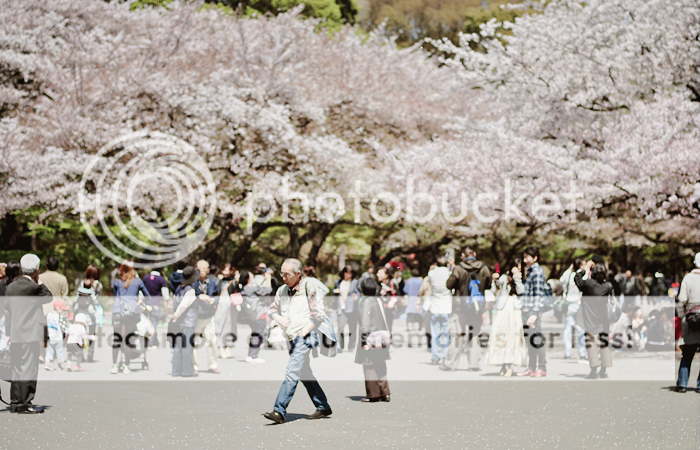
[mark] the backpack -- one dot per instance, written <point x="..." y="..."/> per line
<point x="692" y="318"/>
<point x="472" y="298"/>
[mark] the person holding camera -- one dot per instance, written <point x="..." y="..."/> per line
<point x="593" y="316"/>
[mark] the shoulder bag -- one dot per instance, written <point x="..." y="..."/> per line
<point x="380" y="338"/>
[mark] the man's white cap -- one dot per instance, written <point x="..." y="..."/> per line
<point x="30" y="263"/>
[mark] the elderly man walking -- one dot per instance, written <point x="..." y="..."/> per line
<point x="298" y="310"/>
<point x="25" y="322"/>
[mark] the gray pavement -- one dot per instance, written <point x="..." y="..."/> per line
<point x="421" y="415"/>
<point x="148" y="409"/>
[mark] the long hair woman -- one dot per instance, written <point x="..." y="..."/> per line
<point x="507" y="342"/>
<point x="372" y="318"/>
<point x="226" y="317"/>
<point x="254" y="311"/>
<point x="126" y="290"/>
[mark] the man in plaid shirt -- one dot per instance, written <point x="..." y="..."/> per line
<point x="533" y="302"/>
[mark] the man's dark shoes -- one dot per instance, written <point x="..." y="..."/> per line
<point x="274" y="416"/>
<point x="681" y="389"/>
<point x="370" y="400"/>
<point x="31" y="410"/>
<point x="319" y="414"/>
<point x="386" y="398"/>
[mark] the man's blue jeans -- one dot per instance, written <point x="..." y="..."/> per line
<point x="299" y="369"/>
<point x="688" y="352"/>
<point x="569" y="324"/>
<point x="439" y="330"/>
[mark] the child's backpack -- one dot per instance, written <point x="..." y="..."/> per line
<point x="472" y="298"/>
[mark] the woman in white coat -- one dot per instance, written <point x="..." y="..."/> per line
<point x="507" y="340"/>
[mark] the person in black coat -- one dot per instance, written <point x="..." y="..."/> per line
<point x="25" y="322"/>
<point x="373" y="360"/>
<point x="12" y="272"/>
<point x="593" y="317"/>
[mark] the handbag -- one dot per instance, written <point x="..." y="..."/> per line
<point x="614" y="311"/>
<point x="173" y="327"/>
<point x="380" y="338"/>
<point x="236" y="299"/>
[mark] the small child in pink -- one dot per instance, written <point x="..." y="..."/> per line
<point x="76" y="336"/>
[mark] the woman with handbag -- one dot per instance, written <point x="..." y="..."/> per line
<point x="507" y="342"/>
<point x="374" y="341"/>
<point x="593" y="316"/>
<point x="126" y="312"/>
<point x="388" y="296"/>
<point x="688" y="304"/>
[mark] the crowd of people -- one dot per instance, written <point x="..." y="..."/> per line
<point x="203" y="305"/>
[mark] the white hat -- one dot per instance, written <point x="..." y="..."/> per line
<point x="658" y="275"/>
<point x="29" y="263"/>
<point x="80" y="318"/>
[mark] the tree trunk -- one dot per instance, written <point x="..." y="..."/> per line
<point x="322" y="231"/>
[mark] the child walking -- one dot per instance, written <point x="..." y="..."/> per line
<point x="57" y="326"/>
<point x="77" y="334"/>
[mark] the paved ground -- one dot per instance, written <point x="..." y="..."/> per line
<point x="429" y="409"/>
<point x="422" y="415"/>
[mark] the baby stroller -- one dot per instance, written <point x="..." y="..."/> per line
<point x="139" y="343"/>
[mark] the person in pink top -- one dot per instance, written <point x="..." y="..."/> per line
<point x="77" y="334"/>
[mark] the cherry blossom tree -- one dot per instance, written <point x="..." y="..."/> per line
<point x="601" y="94"/>
<point x="268" y="102"/>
